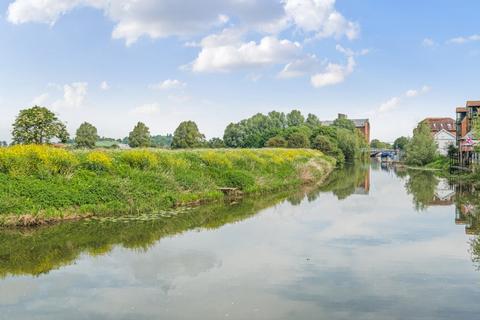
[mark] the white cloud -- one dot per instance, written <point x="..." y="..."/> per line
<point x="462" y="40"/>
<point x="74" y="95"/>
<point x="159" y="19"/>
<point x="41" y="99"/>
<point x="320" y="17"/>
<point x="389" y="105"/>
<point x="169" y="84"/>
<point x="225" y="52"/>
<point x="146" y="109"/>
<point x="394" y="102"/>
<point x="300" y="67"/>
<point x="104" y="86"/>
<point x="414" y="93"/>
<point x="333" y="74"/>
<point x="427" y="42"/>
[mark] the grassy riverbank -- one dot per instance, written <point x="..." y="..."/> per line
<point x="43" y="184"/>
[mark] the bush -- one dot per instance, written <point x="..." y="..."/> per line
<point x="97" y="161"/>
<point x="139" y="159"/>
<point x="37" y="160"/>
<point x="328" y="146"/>
<point x="298" y="140"/>
<point x="276" y="142"/>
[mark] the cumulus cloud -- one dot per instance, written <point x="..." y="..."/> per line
<point x="300" y="67"/>
<point x="394" y="102"/>
<point x="159" y="19"/>
<point x="320" y="17"/>
<point x="146" y="109"/>
<point x="74" y="95"/>
<point x="333" y="74"/>
<point x="169" y="84"/>
<point x="226" y="52"/>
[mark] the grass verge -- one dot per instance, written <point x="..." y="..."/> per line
<point x="41" y="184"/>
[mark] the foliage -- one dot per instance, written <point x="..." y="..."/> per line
<point x="86" y="136"/>
<point x="187" y="136"/>
<point x="345" y="123"/>
<point x="38" y="125"/>
<point x="348" y="143"/>
<point x="160" y="141"/>
<point x="401" y="143"/>
<point x="3" y="144"/>
<point x="421" y="149"/>
<point x="295" y="118"/>
<point x="46" y="182"/>
<point x="377" y="144"/>
<point x="140" y="136"/>
<point x="276" y="142"/>
<point x="328" y="146"/>
<point x="216" y="143"/>
<point x="312" y="121"/>
<point x="298" y="140"/>
<point x="36" y="160"/>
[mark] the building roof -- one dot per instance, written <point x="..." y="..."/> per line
<point x="461" y="109"/>
<point x="437" y="124"/>
<point x="447" y="132"/>
<point x="473" y="103"/>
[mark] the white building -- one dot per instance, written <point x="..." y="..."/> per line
<point x="444" y="139"/>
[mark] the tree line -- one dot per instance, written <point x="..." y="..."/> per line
<point x="38" y="125"/>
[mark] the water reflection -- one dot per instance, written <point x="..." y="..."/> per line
<point x="354" y="248"/>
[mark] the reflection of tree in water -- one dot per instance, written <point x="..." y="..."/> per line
<point x="467" y="213"/>
<point x="344" y="182"/>
<point x="421" y="185"/>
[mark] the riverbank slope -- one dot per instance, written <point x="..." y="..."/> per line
<point x="40" y="184"/>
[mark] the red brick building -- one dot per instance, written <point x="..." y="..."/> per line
<point x="362" y="125"/>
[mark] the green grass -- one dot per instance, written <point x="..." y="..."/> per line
<point x="39" y="183"/>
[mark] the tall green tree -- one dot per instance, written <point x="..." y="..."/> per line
<point x="345" y="123"/>
<point x="295" y="118"/>
<point x="422" y="148"/>
<point x="86" y="136"/>
<point x="187" y="135"/>
<point x="140" y="136"/>
<point x="312" y="121"/>
<point x="38" y="125"/>
<point x="400" y="143"/>
<point x="216" y="143"/>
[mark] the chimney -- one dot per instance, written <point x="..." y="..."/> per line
<point x="342" y="116"/>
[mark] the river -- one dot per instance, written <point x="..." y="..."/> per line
<point x="374" y="242"/>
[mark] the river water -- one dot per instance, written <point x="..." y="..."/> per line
<point x="372" y="243"/>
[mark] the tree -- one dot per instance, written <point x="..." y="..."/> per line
<point x="140" y="136"/>
<point x="422" y="149"/>
<point x="312" y="121"/>
<point x="344" y="123"/>
<point x="86" y="136"/>
<point x="216" y="143"/>
<point x="276" y="142"/>
<point x="377" y="144"/>
<point x="400" y="143"/>
<point x="328" y="146"/>
<point x="38" y="125"/>
<point x="295" y="118"/>
<point x="3" y="144"/>
<point x="187" y="135"/>
<point x="348" y="143"/>
<point x="298" y="140"/>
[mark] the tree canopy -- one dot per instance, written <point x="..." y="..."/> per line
<point x="422" y="148"/>
<point x="187" y="135"/>
<point x="401" y="143"/>
<point x="86" y="136"/>
<point x="140" y="136"/>
<point x="38" y="125"/>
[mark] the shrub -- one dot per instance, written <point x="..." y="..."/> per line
<point x="139" y="159"/>
<point x="328" y="146"/>
<point x="276" y="142"/>
<point x="98" y="161"/>
<point x="298" y="140"/>
<point x="37" y="160"/>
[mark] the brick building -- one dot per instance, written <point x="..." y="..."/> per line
<point x="362" y="125"/>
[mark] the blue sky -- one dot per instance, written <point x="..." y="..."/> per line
<point x="116" y="62"/>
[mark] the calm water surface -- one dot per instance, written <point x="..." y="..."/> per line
<point x="373" y="243"/>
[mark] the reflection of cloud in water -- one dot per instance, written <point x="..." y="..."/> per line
<point x="365" y="257"/>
